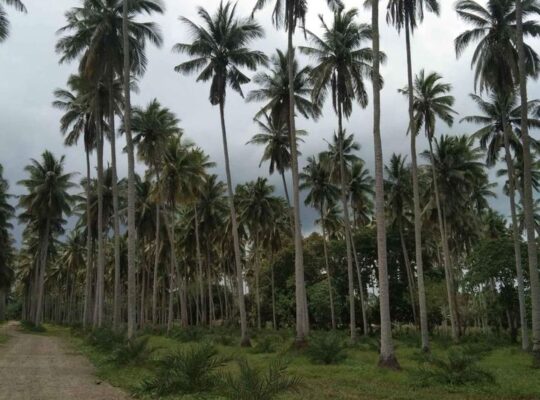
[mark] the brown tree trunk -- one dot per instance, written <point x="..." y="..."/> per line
<point x="89" y="246"/>
<point x="328" y="274"/>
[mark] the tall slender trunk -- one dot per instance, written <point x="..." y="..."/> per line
<point x="361" y="290"/>
<point x="346" y="223"/>
<point x="387" y="357"/>
<point x="257" y="287"/>
<point x="236" y="240"/>
<point x="302" y="322"/>
<point x="409" y="272"/>
<point x="290" y="210"/>
<point x="100" y="277"/>
<point x="516" y="236"/>
<point x="327" y="265"/>
<point x="527" y="188"/>
<point x="449" y="276"/>
<point x="156" y="265"/>
<point x="2" y="304"/>
<point x="116" y="219"/>
<point x="132" y="232"/>
<point x="199" y="267"/>
<point x="274" y="319"/>
<point x="43" y="252"/>
<point x="89" y="246"/>
<point x="424" y="330"/>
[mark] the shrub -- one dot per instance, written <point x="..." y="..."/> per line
<point x="326" y="348"/>
<point x="188" y="371"/>
<point x="131" y="351"/>
<point x="105" y="339"/>
<point x="266" y="344"/>
<point x="256" y="384"/>
<point x="222" y="339"/>
<point x="188" y="334"/>
<point x="458" y="369"/>
<point x="29" y="326"/>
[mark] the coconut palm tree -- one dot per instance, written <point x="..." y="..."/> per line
<point x="78" y="120"/>
<point x="342" y="66"/>
<point x="45" y="205"/>
<point x="316" y="178"/>
<point x="398" y="189"/>
<point x="502" y="61"/>
<point x="432" y="101"/>
<point x="403" y="14"/>
<point x="152" y="127"/>
<point x="4" y="22"/>
<point x="387" y="357"/>
<point x="288" y="14"/>
<point x="274" y="135"/>
<point x="6" y="242"/>
<point x="500" y="113"/>
<point x="258" y="208"/>
<point x="219" y="49"/>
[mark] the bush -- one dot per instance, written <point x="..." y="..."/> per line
<point x="188" y="371"/>
<point x="458" y="369"/>
<point x="189" y="334"/>
<point x="266" y="344"/>
<point x="29" y="326"/>
<point x="257" y="384"/>
<point x="326" y="348"/>
<point x="105" y="339"/>
<point x="132" y="351"/>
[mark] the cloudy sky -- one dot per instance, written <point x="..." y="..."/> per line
<point x="30" y="72"/>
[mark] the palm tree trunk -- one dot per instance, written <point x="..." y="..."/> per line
<point x="89" y="246"/>
<point x="274" y="319"/>
<point x="116" y="219"/>
<point x="450" y="290"/>
<point x="44" y="250"/>
<point x="387" y="357"/>
<point x="528" y="204"/>
<point x="132" y="232"/>
<point x="100" y="278"/>
<point x="410" y="276"/>
<point x="424" y="330"/>
<point x="156" y="266"/>
<point x="516" y="238"/>
<point x="347" y="224"/>
<point x="2" y="304"/>
<point x="170" y="316"/>
<point x="328" y="275"/>
<point x="236" y="241"/>
<point x="257" y="288"/>
<point x="361" y="287"/>
<point x="302" y="321"/>
<point x="199" y="267"/>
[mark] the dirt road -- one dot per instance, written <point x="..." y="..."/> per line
<point x="37" y="367"/>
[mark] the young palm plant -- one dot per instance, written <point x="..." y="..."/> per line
<point x="220" y="50"/>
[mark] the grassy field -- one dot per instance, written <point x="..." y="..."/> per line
<point x="356" y="377"/>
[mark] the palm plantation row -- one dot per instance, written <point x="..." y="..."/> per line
<point x="193" y="243"/>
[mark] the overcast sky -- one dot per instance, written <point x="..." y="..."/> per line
<point x="30" y="72"/>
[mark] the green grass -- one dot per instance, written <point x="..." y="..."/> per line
<point x="357" y="377"/>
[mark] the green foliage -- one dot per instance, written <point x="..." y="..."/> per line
<point x="104" y="339"/>
<point x="132" y="351"/>
<point x="29" y="326"/>
<point x="256" y="384"/>
<point x="459" y="368"/>
<point x="266" y="344"/>
<point x="189" y="334"/>
<point x="326" y="348"/>
<point x="193" y="370"/>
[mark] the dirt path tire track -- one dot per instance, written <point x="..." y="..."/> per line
<point x="37" y="367"/>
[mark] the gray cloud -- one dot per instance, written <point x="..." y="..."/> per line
<point x="30" y="73"/>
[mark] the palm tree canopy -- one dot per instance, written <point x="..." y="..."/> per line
<point x="4" y="22"/>
<point x="94" y="31"/>
<point x="316" y="178"/>
<point x="342" y="62"/>
<point x="275" y="137"/>
<point x="495" y="57"/>
<point x="431" y="101"/>
<point x="219" y="50"/>
<point x="401" y="13"/>
<point x="274" y="89"/>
